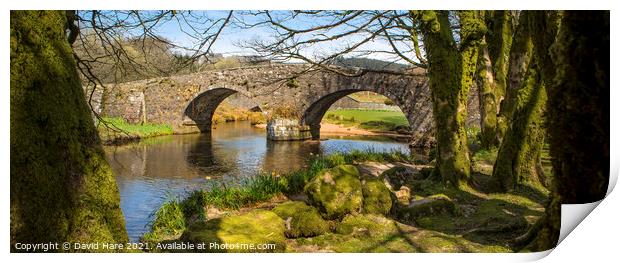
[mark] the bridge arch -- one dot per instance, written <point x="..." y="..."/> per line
<point x="314" y="113"/>
<point x="199" y="111"/>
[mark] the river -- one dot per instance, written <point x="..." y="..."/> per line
<point x="155" y="169"/>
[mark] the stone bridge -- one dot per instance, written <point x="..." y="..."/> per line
<point x="188" y="102"/>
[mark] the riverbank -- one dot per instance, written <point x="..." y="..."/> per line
<point x="336" y="129"/>
<point x="362" y="201"/>
<point x="116" y="131"/>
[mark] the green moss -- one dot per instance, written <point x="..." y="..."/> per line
<point x="377" y="197"/>
<point x="257" y="227"/>
<point x="301" y="220"/>
<point x="365" y="225"/>
<point x="431" y="205"/>
<point x="518" y="158"/>
<point x="373" y="233"/>
<point x="62" y="189"/>
<point x="336" y="191"/>
<point x="451" y="73"/>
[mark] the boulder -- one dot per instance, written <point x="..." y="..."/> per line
<point x="236" y="233"/>
<point x="377" y="197"/>
<point x="301" y="220"/>
<point x="336" y="191"/>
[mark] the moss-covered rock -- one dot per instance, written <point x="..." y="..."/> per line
<point x="377" y="197"/>
<point x="430" y="205"/>
<point x="301" y="220"/>
<point x="237" y="233"/>
<point x="336" y="191"/>
<point x="365" y="225"/>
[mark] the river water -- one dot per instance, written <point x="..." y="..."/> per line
<point x="156" y="169"/>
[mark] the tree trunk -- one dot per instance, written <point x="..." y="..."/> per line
<point x="62" y="188"/>
<point x="451" y="74"/>
<point x="578" y="107"/>
<point x="486" y="97"/>
<point x="518" y="156"/>
<point x="520" y="56"/>
<point x="499" y="44"/>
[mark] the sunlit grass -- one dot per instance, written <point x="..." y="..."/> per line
<point x="119" y="128"/>
<point x="374" y="120"/>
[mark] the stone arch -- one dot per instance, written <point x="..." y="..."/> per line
<point x="314" y="113"/>
<point x="199" y="111"/>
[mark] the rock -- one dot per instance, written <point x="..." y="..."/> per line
<point x="430" y="205"/>
<point x="301" y="220"/>
<point x="396" y="176"/>
<point x="403" y="195"/>
<point x="365" y="225"/>
<point x="377" y="197"/>
<point x="255" y="227"/>
<point x="336" y="191"/>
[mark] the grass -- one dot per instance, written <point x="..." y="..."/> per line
<point x="373" y="120"/>
<point x="173" y="216"/>
<point x="482" y="221"/>
<point x="121" y="129"/>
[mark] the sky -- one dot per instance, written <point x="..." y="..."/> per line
<point x="180" y="32"/>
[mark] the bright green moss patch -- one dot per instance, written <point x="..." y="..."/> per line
<point x="301" y="220"/>
<point x="373" y="233"/>
<point x="258" y="227"/>
<point x="336" y="191"/>
<point x="377" y="197"/>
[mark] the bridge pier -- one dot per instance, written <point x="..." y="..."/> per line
<point x="287" y="130"/>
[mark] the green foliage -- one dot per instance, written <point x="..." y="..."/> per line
<point x="485" y="155"/>
<point x="255" y="189"/>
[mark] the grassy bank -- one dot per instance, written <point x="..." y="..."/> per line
<point x="116" y="130"/>
<point x="468" y="219"/>
<point x="372" y="120"/>
<point x="173" y="217"/>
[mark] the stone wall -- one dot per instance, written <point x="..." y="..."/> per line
<point x="287" y="130"/>
<point x="350" y="103"/>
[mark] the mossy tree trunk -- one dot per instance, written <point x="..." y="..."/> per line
<point x="492" y="72"/>
<point x="520" y="56"/>
<point x="578" y="107"/>
<point x="486" y="98"/>
<point x="451" y="73"/>
<point x="62" y="188"/>
<point x="518" y="157"/>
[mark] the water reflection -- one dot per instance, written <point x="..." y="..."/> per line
<point x="155" y="169"/>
